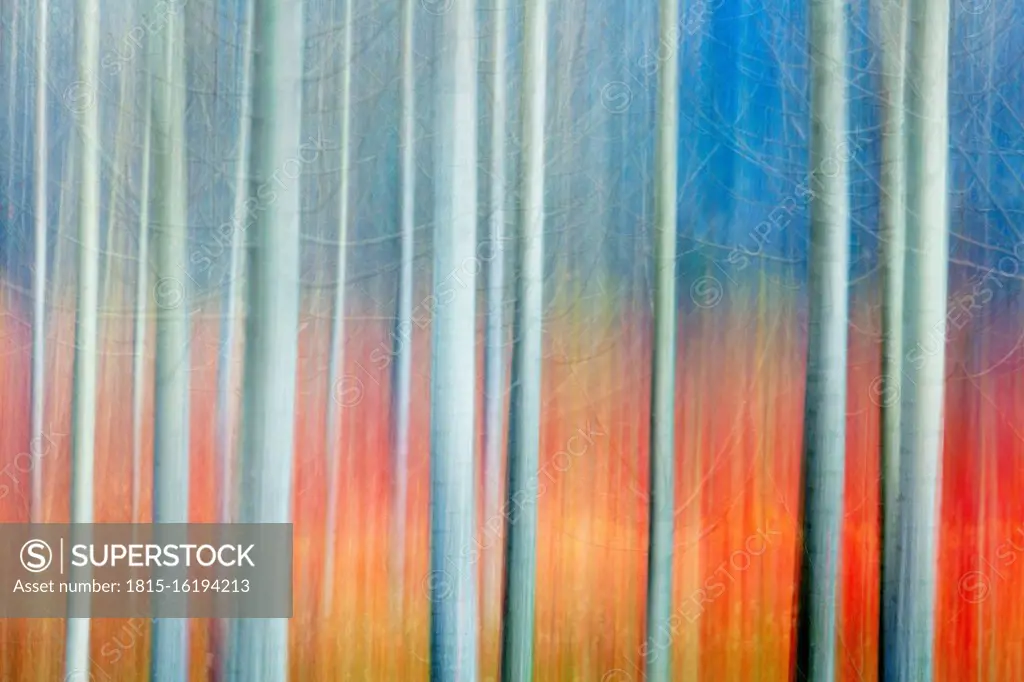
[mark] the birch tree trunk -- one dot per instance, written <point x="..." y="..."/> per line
<point x="525" y="404"/>
<point x="39" y="274"/>
<point x="271" y="343"/>
<point x="892" y="17"/>
<point x="494" y="350"/>
<point x="226" y="404"/>
<point x="336" y="363"/>
<point x="169" y="661"/>
<point x="453" y="613"/>
<point x="229" y="320"/>
<point x="663" y="369"/>
<point x="927" y="131"/>
<point x="825" y="398"/>
<point x="403" y="322"/>
<point x="12" y="102"/>
<point x="83" y="415"/>
<point x="141" y="308"/>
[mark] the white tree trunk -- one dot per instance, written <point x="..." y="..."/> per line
<point x="892" y="18"/>
<point x="663" y="371"/>
<point x="169" y="661"/>
<point x="825" y="398"/>
<point x="39" y="274"/>
<point x="453" y="617"/>
<point x="226" y="404"/>
<point x="525" y="404"/>
<point x="12" y="101"/>
<point x="336" y="363"/>
<point x="403" y="322"/>
<point x="927" y="131"/>
<point x="494" y="350"/>
<point x="271" y="342"/>
<point x="83" y="428"/>
<point x="141" y="307"/>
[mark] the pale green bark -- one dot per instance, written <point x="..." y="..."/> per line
<point x="83" y="416"/>
<point x="12" y="99"/>
<point x="494" y="351"/>
<point x="453" y="613"/>
<point x="141" y="306"/>
<point x="169" y="658"/>
<point x="226" y="407"/>
<point x="525" y="404"/>
<point x="892" y="17"/>
<point x="927" y="131"/>
<point x="403" y="323"/>
<point x="226" y="403"/>
<point x="39" y="273"/>
<point x="336" y="363"/>
<point x="260" y="651"/>
<point x="824" y="447"/>
<point x="663" y="370"/>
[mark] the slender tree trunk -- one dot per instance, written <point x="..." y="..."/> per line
<point x="12" y="104"/>
<point x="663" y="371"/>
<point x="169" y="660"/>
<point x="525" y="405"/>
<point x="271" y="350"/>
<point x="141" y="307"/>
<point x="110" y="269"/>
<point x="403" y="322"/>
<point x="336" y="363"/>
<point x="76" y="656"/>
<point x="226" y="402"/>
<point x="494" y="351"/>
<point x="892" y="23"/>
<point x="825" y="398"/>
<point x="453" y="614"/>
<point x="927" y="131"/>
<point x="39" y="274"/>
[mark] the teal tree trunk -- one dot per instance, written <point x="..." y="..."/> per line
<point x="892" y="21"/>
<point x="658" y="653"/>
<point x="452" y="581"/>
<point x="824" y="446"/>
<point x="525" y="403"/>
<point x="260" y="646"/>
<point x="927" y="131"/>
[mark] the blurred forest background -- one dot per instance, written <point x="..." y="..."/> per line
<point x="165" y="96"/>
